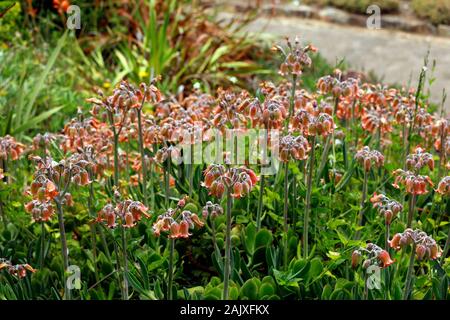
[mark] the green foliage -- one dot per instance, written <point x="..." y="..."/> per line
<point x="10" y="13"/>
<point x="437" y="11"/>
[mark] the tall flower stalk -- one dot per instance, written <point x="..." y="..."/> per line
<point x="268" y="115"/>
<point x="312" y="120"/>
<point x="415" y="184"/>
<point x="51" y="183"/>
<point x="290" y="147"/>
<point x="227" y="266"/>
<point x="177" y="223"/>
<point x="129" y="213"/>
<point x="308" y="198"/>
<point x="443" y="188"/>
<point x="389" y="209"/>
<point x="367" y="158"/>
<point x="422" y="247"/>
<point x="373" y="256"/>
<point x="234" y="183"/>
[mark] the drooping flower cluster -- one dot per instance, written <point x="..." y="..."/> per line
<point x="10" y="149"/>
<point x="337" y="87"/>
<point x="419" y="159"/>
<point x="129" y="212"/>
<point x="211" y="209"/>
<point x="296" y="59"/>
<point x="292" y="147"/>
<point x="426" y="246"/>
<point x="440" y="132"/>
<point x="373" y="256"/>
<point x="49" y="174"/>
<point x="368" y="158"/>
<point x="17" y="270"/>
<point x="314" y="120"/>
<point x="444" y="186"/>
<point x="270" y="114"/>
<point x="121" y="108"/>
<point x="414" y="183"/>
<point x="228" y="110"/>
<point x="43" y="141"/>
<point x="386" y="206"/>
<point x="41" y="211"/>
<point x="239" y="181"/>
<point x="376" y="119"/>
<point x="177" y="222"/>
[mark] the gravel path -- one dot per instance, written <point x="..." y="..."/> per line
<point x="395" y="57"/>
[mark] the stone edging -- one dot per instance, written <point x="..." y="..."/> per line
<point x="334" y="15"/>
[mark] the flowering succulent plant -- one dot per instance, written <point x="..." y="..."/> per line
<point x="10" y="148"/>
<point x="296" y="58"/>
<point x="423" y="247"/>
<point x="129" y="212"/>
<point x="238" y="181"/>
<point x="17" y="270"/>
<point x="444" y="186"/>
<point x="177" y="223"/>
<point x="374" y="256"/>
<point x="369" y="158"/>
<point x="130" y="154"/>
<point x="387" y="207"/>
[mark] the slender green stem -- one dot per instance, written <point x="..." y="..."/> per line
<point x="366" y="287"/>
<point x="104" y="242"/>
<point x="152" y="191"/>
<point x="116" y="148"/>
<point x="94" y="249"/>
<point x="213" y="229"/>
<point x="447" y="243"/>
<point x="291" y="103"/>
<point x="405" y="138"/>
<point x="143" y="162"/>
<point x="118" y="267"/>
<point x="324" y="158"/>
<point x="387" y="235"/>
<point x="92" y="226"/>
<point x="260" y="202"/>
<point x="262" y="181"/>
<point x="42" y="249"/>
<point x="167" y="181"/>
<point x="363" y="202"/>
<point x="227" y="267"/>
<point x="170" y="275"/>
<point x="412" y="204"/>
<point x="116" y="159"/>
<point x="125" y="263"/>
<point x="191" y="171"/>
<point x="285" y="213"/>
<point x="409" y="275"/>
<point x="64" y="250"/>
<point x="308" y="198"/>
<point x="442" y="155"/>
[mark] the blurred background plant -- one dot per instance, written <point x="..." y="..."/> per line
<point x="437" y="11"/>
<point x="44" y="70"/>
<point x="358" y="6"/>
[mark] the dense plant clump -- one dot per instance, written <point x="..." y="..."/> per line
<point x="284" y="192"/>
<point x="130" y="158"/>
